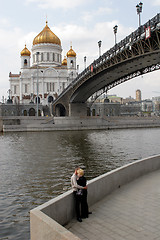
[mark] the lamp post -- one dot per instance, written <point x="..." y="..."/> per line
<point x="85" y="58"/>
<point x="139" y="10"/>
<point x="9" y="96"/>
<point x="115" y="32"/>
<point x="77" y="69"/>
<point x="99" y="45"/>
<point x="37" y="54"/>
<point x="9" y="92"/>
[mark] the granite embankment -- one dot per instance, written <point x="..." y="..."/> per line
<point x="47" y="221"/>
<point x="22" y="124"/>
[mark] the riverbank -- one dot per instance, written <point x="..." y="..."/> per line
<point x="36" y="166"/>
<point x="34" y="124"/>
<point x="48" y="220"/>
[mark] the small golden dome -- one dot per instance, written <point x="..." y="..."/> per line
<point x="25" y="52"/>
<point x="64" y="62"/>
<point x="46" y="36"/>
<point x="71" y="53"/>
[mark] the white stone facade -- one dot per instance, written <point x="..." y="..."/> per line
<point x="47" y="72"/>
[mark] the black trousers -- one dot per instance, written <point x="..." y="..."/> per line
<point x="77" y="204"/>
<point x="84" y="205"/>
<point x="81" y="205"/>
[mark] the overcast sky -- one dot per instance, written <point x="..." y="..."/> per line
<point x="82" y="22"/>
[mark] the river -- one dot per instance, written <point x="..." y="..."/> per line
<point x="36" y="167"/>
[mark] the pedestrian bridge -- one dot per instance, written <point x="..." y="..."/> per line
<point x="137" y="54"/>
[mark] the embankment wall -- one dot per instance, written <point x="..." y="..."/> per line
<point x="47" y="220"/>
<point x="22" y="124"/>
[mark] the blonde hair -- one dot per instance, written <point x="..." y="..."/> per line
<point x="80" y="172"/>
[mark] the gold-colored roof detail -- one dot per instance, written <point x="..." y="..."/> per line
<point x="25" y="52"/>
<point x="46" y="36"/>
<point x="71" y="53"/>
<point x="64" y="62"/>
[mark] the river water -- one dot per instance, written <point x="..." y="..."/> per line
<point x="36" y="167"/>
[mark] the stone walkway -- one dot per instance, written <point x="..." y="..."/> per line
<point x="132" y="212"/>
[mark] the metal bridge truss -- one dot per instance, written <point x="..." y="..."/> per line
<point x="133" y="46"/>
<point x="122" y="80"/>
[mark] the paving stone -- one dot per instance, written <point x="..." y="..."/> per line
<point x="132" y="212"/>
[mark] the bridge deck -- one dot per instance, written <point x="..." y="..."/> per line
<point x="130" y="213"/>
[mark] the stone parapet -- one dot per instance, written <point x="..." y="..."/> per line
<point x="48" y="220"/>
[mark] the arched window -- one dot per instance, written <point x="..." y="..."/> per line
<point x="31" y="112"/>
<point x="72" y="63"/>
<point x="41" y="57"/>
<point x="47" y="56"/>
<point x="53" y="57"/>
<point x="25" y="61"/>
<point x="38" y="100"/>
<point x="25" y="112"/>
<point x="50" y="99"/>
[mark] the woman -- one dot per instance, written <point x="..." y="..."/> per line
<point x="77" y="191"/>
<point x="81" y="181"/>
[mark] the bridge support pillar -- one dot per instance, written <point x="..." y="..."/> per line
<point x="77" y="109"/>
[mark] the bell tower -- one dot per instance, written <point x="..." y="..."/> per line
<point x="25" y="58"/>
<point x="71" y="59"/>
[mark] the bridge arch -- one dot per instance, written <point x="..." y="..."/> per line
<point x="116" y="74"/>
<point x="137" y="54"/>
<point x="60" y="110"/>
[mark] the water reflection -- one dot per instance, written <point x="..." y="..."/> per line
<point x="36" y="167"/>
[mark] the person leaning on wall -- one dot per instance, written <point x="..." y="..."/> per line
<point x="77" y="197"/>
<point x="83" y="203"/>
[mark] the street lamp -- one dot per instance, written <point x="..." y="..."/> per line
<point x="9" y="97"/>
<point x="37" y="54"/>
<point x="139" y="10"/>
<point x="115" y="32"/>
<point x="85" y="58"/>
<point x="99" y="45"/>
<point x="77" y="69"/>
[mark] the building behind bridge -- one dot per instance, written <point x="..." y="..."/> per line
<point x="111" y="105"/>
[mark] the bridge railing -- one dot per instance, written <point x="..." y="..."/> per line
<point x="123" y="44"/>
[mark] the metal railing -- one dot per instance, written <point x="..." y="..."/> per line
<point x="123" y="44"/>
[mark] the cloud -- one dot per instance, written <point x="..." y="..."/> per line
<point x="88" y="16"/>
<point x="65" y="4"/>
<point x="85" y="39"/>
<point x="156" y="2"/>
<point x="12" y="41"/>
<point x="4" y="22"/>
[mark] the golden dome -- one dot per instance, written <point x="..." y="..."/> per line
<point x="64" y="62"/>
<point x="25" y="52"/>
<point x="46" y="36"/>
<point x="71" y="53"/>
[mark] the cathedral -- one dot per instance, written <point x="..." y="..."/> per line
<point x="48" y="75"/>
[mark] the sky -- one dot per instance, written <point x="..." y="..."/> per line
<point x="81" y="23"/>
